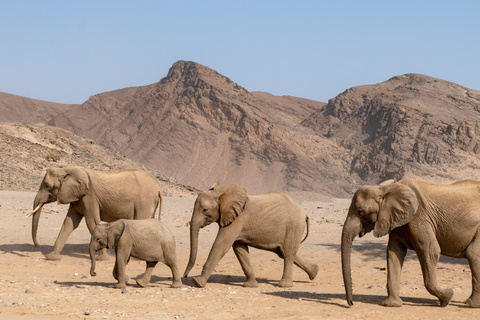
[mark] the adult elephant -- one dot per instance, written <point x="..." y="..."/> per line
<point x="431" y="219"/>
<point x="272" y="221"/>
<point x="97" y="196"/>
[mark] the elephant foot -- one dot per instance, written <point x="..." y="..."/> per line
<point x="176" y="284"/>
<point x="285" y="283"/>
<point x="53" y="256"/>
<point x="199" y="282"/>
<point x="473" y="302"/>
<point x="122" y="284"/>
<point x="446" y="297"/>
<point x="251" y="284"/>
<point x="313" y="273"/>
<point x="392" y="302"/>
<point x="142" y="282"/>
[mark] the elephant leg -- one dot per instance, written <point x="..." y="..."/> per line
<point x="243" y="256"/>
<point x="396" y="252"/>
<point x="287" y="277"/>
<point x="71" y="222"/>
<point x="473" y="257"/>
<point x="143" y="281"/>
<point x="428" y="255"/>
<point x="288" y="252"/>
<point x="115" y="272"/>
<point x="226" y="236"/>
<point x="310" y="268"/>
<point x="121" y="261"/>
<point x="171" y="262"/>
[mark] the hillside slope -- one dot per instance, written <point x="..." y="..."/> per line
<point x="410" y="125"/>
<point x="200" y="127"/>
<point x="28" y="150"/>
<point x="19" y="109"/>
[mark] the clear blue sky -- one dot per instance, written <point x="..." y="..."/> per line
<point x="65" y="51"/>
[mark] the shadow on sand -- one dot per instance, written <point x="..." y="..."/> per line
<point x="332" y="299"/>
<point x="22" y="249"/>
<point x="374" y="250"/>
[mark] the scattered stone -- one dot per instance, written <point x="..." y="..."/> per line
<point x="124" y="290"/>
<point x="29" y="290"/>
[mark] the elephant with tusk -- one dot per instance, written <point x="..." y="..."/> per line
<point x="272" y="221"/>
<point x="97" y="196"/>
<point x="432" y="219"/>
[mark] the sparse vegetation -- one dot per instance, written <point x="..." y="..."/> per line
<point x="52" y="157"/>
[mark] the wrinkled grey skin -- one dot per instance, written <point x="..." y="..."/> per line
<point x="149" y="240"/>
<point x="97" y="196"/>
<point x="272" y="221"/>
<point x="431" y="219"/>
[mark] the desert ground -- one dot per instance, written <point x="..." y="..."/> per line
<point x="32" y="287"/>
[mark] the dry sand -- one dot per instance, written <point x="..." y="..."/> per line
<point x="34" y="288"/>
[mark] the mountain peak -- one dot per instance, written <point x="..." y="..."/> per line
<point x="197" y="76"/>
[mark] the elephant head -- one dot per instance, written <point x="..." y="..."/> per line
<point x="379" y="208"/>
<point x="221" y="204"/>
<point x="105" y="236"/>
<point x="64" y="185"/>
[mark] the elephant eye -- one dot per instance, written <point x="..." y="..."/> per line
<point x="361" y="213"/>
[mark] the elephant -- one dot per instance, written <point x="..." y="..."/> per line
<point x="432" y="219"/>
<point x="97" y="196"/>
<point x="272" y="221"/>
<point x="149" y="240"/>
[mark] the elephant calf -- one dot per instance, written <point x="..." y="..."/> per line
<point x="149" y="240"/>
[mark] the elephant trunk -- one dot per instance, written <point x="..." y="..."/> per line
<point x="194" y="231"/>
<point x="40" y="199"/>
<point x="93" y="259"/>
<point x="351" y="228"/>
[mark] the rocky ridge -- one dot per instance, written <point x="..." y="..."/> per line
<point x="409" y="125"/>
<point x="28" y="150"/>
<point x="200" y="127"/>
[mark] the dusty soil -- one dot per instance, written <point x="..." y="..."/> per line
<point x="34" y="288"/>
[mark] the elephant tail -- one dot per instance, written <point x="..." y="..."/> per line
<point x="307" y="220"/>
<point x="160" y="205"/>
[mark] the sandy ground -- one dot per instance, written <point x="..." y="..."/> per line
<point x="34" y="288"/>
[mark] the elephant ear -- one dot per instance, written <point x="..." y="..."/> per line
<point x="399" y="205"/>
<point x="114" y="233"/>
<point x="231" y="203"/>
<point x="74" y="185"/>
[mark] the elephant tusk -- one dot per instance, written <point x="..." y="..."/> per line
<point x="34" y="211"/>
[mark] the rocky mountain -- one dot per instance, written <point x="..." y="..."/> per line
<point x="19" y="109"/>
<point x="410" y="125"/>
<point x="199" y="127"/>
<point x="28" y="150"/>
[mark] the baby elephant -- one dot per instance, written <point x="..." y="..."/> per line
<point x="149" y="240"/>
